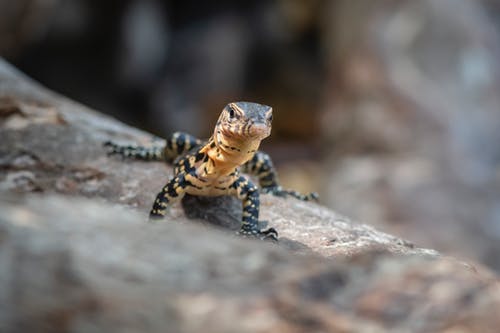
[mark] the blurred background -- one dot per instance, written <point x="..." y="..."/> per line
<point x="389" y="108"/>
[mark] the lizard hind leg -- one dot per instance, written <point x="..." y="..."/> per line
<point x="175" y="145"/>
<point x="262" y="167"/>
<point x="153" y="153"/>
<point x="280" y="192"/>
<point x="178" y="144"/>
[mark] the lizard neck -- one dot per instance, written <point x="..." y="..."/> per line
<point x="226" y="154"/>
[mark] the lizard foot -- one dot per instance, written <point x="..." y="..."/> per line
<point x="155" y="218"/>
<point x="268" y="234"/>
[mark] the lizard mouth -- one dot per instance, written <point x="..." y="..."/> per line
<point x="258" y="130"/>
<point x="252" y="131"/>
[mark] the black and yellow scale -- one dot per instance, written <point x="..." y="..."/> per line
<point x="212" y="168"/>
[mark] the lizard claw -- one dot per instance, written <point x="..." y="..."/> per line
<point x="111" y="148"/>
<point x="269" y="234"/>
<point x="313" y="196"/>
<point x="154" y="218"/>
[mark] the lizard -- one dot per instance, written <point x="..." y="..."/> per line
<point x="214" y="167"/>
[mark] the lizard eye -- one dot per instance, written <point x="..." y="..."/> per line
<point x="270" y="118"/>
<point x="231" y="113"/>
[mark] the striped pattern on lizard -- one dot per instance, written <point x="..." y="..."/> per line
<point x="214" y="167"/>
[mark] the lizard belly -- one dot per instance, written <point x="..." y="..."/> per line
<point x="209" y="186"/>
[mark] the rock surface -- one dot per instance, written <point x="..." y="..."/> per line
<point x="412" y="134"/>
<point x="76" y="253"/>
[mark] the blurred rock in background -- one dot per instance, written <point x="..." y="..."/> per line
<point x="413" y="119"/>
<point x="389" y="107"/>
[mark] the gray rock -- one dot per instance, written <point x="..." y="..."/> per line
<point x="77" y="255"/>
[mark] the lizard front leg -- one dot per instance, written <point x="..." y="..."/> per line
<point x="173" y="191"/>
<point x="248" y="193"/>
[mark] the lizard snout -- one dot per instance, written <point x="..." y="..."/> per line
<point x="259" y="130"/>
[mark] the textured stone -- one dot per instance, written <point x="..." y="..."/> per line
<point x="77" y="254"/>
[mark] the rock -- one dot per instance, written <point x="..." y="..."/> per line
<point x="411" y="124"/>
<point x="73" y="265"/>
<point x="64" y="154"/>
<point x="77" y="255"/>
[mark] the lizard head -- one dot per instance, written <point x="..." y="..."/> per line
<point x="238" y="133"/>
<point x="245" y="121"/>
